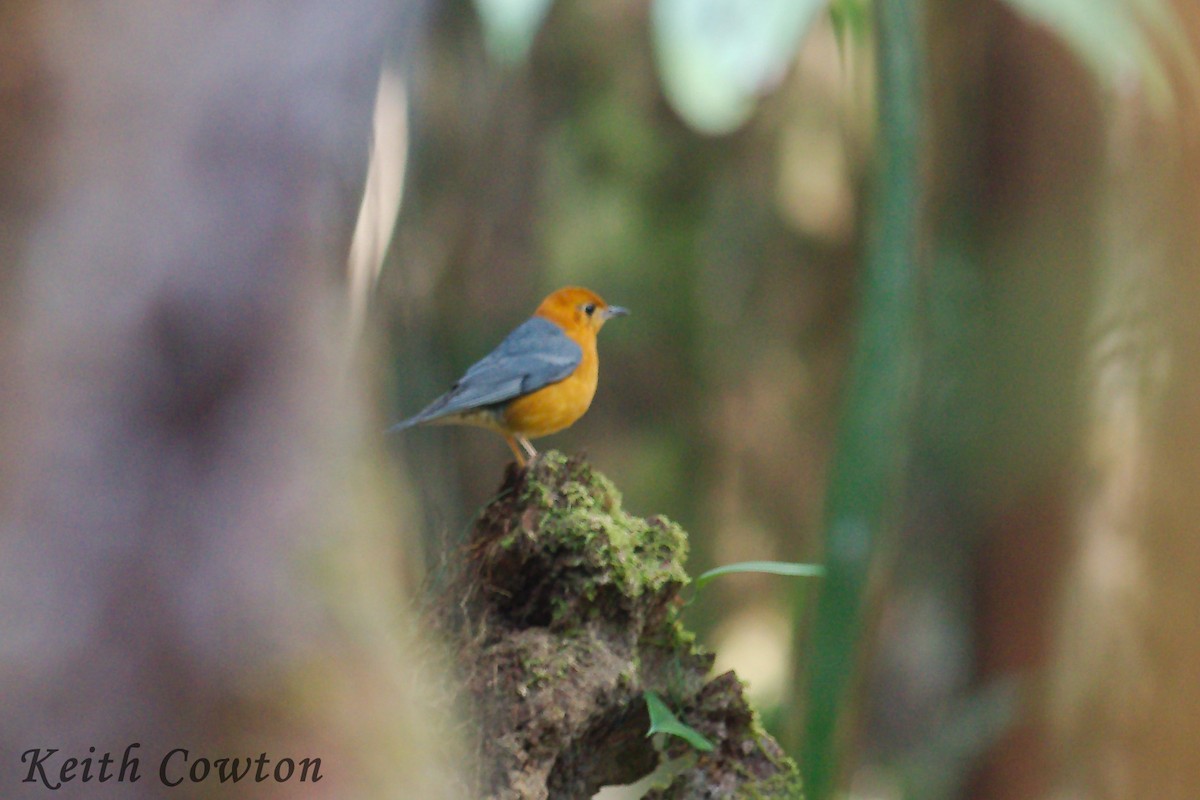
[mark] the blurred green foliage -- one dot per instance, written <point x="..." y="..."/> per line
<point x="873" y="451"/>
<point x="716" y="57"/>
<point x="510" y="25"/>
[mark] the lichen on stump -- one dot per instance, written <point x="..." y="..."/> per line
<point x="564" y="611"/>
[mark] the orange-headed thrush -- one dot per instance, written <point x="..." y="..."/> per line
<point x="538" y="381"/>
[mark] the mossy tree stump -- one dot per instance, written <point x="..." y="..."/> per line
<point x="565" y="611"/>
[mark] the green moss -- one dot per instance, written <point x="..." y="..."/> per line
<point x="580" y="511"/>
<point x="675" y="637"/>
<point x="543" y="670"/>
<point x="785" y="783"/>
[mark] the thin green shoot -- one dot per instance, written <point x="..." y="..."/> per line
<point x="787" y="568"/>
<point x="663" y="720"/>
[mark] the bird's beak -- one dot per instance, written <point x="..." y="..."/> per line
<point x="615" y="311"/>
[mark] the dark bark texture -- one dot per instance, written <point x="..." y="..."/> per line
<point x="566" y="610"/>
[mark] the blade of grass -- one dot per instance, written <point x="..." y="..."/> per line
<point x="785" y="568"/>
<point x="867" y="475"/>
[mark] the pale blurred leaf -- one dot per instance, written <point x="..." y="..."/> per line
<point x="509" y="26"/>
<point x="1121" y="41"/>
<point x="715" y="57"/>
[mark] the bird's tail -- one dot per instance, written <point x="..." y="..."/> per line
<point x="431" y="412"/>
<point x="404" y="424"/>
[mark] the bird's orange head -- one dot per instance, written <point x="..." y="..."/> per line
<point x="578" y="311"/>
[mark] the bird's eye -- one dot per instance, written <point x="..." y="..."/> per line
<point x="589" y="309"/>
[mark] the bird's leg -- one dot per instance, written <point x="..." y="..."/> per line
<point x="512" y="445"/>
<point x="527" y="447"/>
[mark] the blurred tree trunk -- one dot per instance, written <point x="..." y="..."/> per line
<point x="1083" y="218"/>
<point x="1014" y="195"/>
<point x="197" y="552"/>
<point x="1041" y="196"/>
<point x="1124" y="689"/>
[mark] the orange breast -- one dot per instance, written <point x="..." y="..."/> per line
<point x="557" y="406"/>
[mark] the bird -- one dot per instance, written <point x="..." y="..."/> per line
<point x="538" y="381"/>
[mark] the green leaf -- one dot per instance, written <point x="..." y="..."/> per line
<point x="663" y="721"/>
<point x="788" y="568"/>
<point x="851" y="19"/>
<point x="716" y="57"/>
<point x="509" y="26"/>
<point x="870" y="471"/>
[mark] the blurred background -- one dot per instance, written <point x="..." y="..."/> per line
<point x="1026" y="625"/>
<point x="1058" y="208"/>
<point x="735" y="253"/>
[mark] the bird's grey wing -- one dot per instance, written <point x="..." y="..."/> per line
<point x="536" y="354"/>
